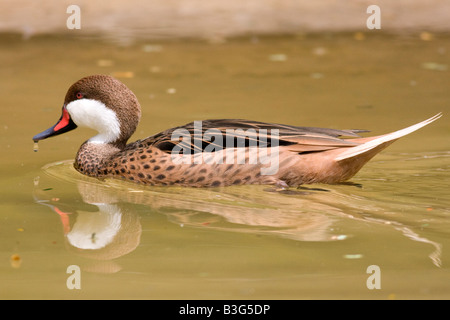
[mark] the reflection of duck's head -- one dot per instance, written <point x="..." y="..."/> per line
<point x="100" y="227"/>
<point x="96" y="230"/>
<point x="107" y="233"/>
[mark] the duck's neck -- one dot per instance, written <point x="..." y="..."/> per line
<point x="92" y="158"/>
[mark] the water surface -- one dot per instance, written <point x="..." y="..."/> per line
<point x="242" y="242"/>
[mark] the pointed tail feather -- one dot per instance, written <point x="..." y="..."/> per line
<point x="354" y="151"/>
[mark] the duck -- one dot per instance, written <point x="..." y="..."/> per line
<point x="208" y="153"/>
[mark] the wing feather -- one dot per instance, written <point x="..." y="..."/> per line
<point x="222" y="133"/>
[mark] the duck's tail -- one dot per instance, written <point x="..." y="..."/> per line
<point x="372" y="144"/>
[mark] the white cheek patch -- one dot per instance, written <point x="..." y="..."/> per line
<point x="95" y="115"/>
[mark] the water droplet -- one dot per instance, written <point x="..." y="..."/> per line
<point x="35" y="146"/>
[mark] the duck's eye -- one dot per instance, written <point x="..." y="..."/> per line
<point x="79" y="95"/>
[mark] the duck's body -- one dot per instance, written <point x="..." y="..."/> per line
<point x="208" y="153"/>
<point x="149" y="161"/>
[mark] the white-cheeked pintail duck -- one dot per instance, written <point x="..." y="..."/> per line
<point x="208" y="153"/>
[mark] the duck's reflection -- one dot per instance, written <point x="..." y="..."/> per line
<point x="103" y="224"/>
<point x="95" y="231"/>
<point x="96" y="227"/>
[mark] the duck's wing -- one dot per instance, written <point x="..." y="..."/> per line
<point x="214" y="135"/>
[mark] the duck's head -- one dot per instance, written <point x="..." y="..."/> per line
<point x="102" y="103"/>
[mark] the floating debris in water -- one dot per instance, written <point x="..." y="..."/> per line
<point x="434" y="66"/>
<point x="152" y="48"/>
<point x="171" y="90"/>
<point x="35" y="146"/>
<point x="339" y="237"/>
<point x="319" y="51"/>
<point x="359" y="36"/>
<point x="155" y="69"/>
<point x="93" y="238"/>
<point x="105" y="63"/>
<point x="278" y="57"/>
<point x="123" y="74"/>
<point x="426" y="36"/>
<point x="353" y="256"/>
<point x="16" y="261"/>
<point x="316" y="75"/>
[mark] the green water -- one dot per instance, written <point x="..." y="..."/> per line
<point x="243" y="242"/>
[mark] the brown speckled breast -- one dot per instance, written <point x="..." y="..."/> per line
<point x="148" y="165"/>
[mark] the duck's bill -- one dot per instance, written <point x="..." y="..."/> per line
<point x="63" y="125"/>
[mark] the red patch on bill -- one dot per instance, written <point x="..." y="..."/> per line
<point x="64" y="120"/>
